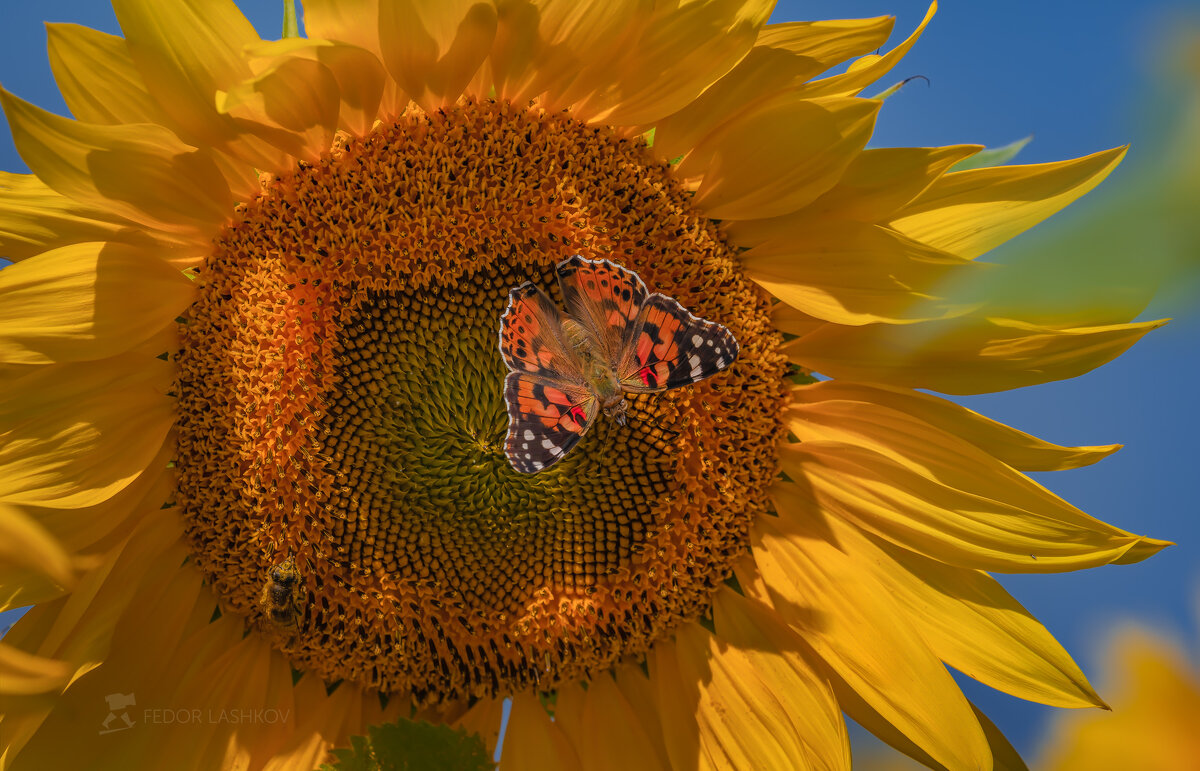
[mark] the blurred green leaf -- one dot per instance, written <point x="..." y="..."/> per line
<point x="408" y="745"/>
<point x="291" y="27"/>
<point x="993" y="156"/>
<point x="1129" y="249"/>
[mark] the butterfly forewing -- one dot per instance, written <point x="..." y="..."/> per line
<point x="605" y="299"/>
<point x="546" y="418"/>
<point x="672" y="348"/>
<point x="531" y="337"/>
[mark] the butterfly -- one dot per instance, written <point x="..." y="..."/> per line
<point x="616" y="338"/>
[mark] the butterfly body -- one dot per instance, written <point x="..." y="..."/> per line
<point x="597" y="372"/>
<point x="616" y="338"/>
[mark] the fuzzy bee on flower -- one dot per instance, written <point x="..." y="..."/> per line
<point x="281" y="598"/>
<point x="616" y="338"/>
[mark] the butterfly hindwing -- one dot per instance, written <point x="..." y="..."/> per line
<point x="605" y="298"/>
<point x="531" y="336"/>
<point x="546" y="419"/>
<point x="673" y="348"/>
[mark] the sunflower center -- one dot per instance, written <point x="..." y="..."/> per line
<point x="342" y="411"/>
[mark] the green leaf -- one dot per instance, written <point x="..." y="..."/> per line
<point x="291" y="27"/>
<point x="993" y="156"/>
<point x="649" y="136"/>
<point x="408" y="745"/>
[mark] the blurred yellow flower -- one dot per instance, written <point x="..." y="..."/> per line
<point x="1154" y="692"/>
<point x="254" y="417"/>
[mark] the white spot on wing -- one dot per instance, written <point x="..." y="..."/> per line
<point x="697" y="340"/>
<point x="695" y="362"/>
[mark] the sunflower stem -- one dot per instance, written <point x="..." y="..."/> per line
<point x="291" y="27"/>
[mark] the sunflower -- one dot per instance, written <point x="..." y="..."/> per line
<point x="254" y="419"/>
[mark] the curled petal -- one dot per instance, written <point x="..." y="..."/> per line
<point x="783" y="57"/>
<point x="868" y="69"/>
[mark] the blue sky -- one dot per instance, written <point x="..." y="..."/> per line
<point x="1079" y="82"/>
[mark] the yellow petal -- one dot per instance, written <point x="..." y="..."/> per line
<point x="784" y="56"/>
<point x="969" y="621"/>
<point x="874" y="186"/>
<point x="969" y="212"/>
<point x="237" y="684"/>
<point x="778" y="158"/>
<point x="433" y="50"/>
<point x="854" y="273"/>
<point x="853" y="624"/>
<point x="79" y="629"/>
<point x="868" y="69"/>
<point x="359" y="75"/>
<point x="785" y="665"/>
<point x="97" y="77"/>
<point x="787" y="319"/>
<point x="26" y="544"/>
<point x="21" y="673"/>
<point x="563" y="51"/>
<point x="140" y="172"/>
<point x="35" y="219"/>
<point x="323" y="721"/>
<point x="41" y="392"/>
<point x="101" y="84"/>
<point x="349" y="21"/>
<point x="293" y="105"/>
<point x="95" y="530"/>
<point x="602" y="713"/>
<point x="1016" y="448"/>
<point x="959" y="521"/>
<point x="680" y="53"/>
<point x="720" y="711"/>
<point x="533" y="742"/>
<point x="968" y="355"/>
<point x="186" y="52"/>
<point x="81" y="460"/>
<point x="149" y="649"/>
<point x="86" y="302"/>
<point x="827" y="42"/>
<point x="639" y="693"/>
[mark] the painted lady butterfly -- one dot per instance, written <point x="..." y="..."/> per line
<point x="616" y="338"/>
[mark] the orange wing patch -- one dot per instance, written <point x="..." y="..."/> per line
<point x="605" y="298"/>
<point x="531" y="336"/>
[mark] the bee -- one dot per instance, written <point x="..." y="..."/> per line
<point x="281" y="594"/>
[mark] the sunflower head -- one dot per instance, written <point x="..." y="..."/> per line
<point x="258" y="446"/>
